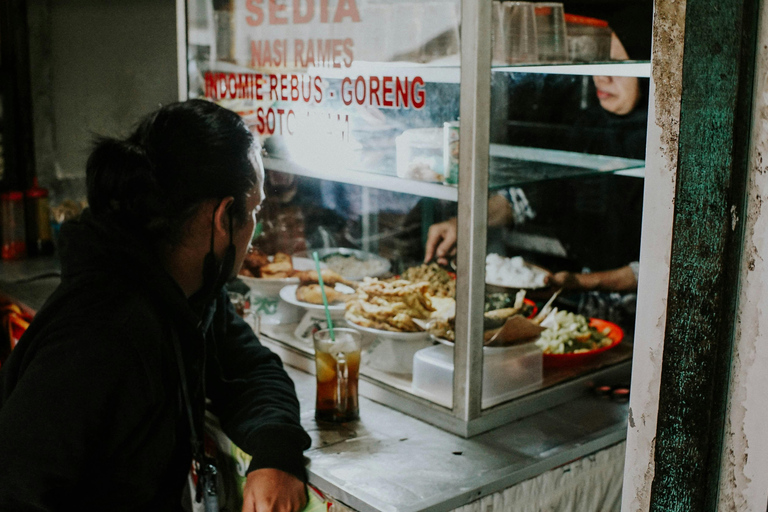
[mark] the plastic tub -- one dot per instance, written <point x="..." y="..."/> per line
<point x="589" y="39"/>
<point x="507" y="372"/>
<point x="420" y="154"/>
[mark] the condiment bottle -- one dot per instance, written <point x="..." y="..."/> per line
<point x="39" y="236"/>
<point x="12" y="207"/>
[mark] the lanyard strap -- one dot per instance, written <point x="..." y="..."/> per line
<point x="197" y="445"/>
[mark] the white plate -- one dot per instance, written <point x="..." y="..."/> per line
<point x="288" y="294"/>
<point x="270" y="287"/>
<point x="382" y="263"/>
<point x="535" y="269"/>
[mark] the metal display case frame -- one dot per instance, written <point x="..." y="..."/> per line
<point x="467" y="416"/>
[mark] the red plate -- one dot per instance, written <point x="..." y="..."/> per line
<point x="615" y="333"/>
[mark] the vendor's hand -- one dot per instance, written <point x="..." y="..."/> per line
<point x="564" y="280"/>
<point x="441" y="241"/>
<point x="273" y="490"/>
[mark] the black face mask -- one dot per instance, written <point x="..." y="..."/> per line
<point x="215" y="274"/>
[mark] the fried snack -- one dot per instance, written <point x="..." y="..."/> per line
<point x="390" y="305"/>
<point x="330" y="278"/>
<point x="311" y="293"/>
<point x="254" y="260"/>
<point x="442" y="328"/>
<point x="277" y="270"/>
<point x="441" y="284"/>
<point x="257" y="264"/>
<point x="282" y="257"/>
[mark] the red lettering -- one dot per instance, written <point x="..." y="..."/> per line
<point x="273" y="87"/>
<point x="288" y="122"/>
<point x="255" y="53"/>
<point x="346" y="9"/>
<point x="325" y="51"/>
<point x="211" y="91"/>
<point x="270" y="126"/>
<point x="283" y="88"/>
<point x="387" y="91"/>
<point x="294" y="83"/>
<point x="374" y="92"/>
<point x="337" y="43"/>
<point x="418" y="95"/>
<point x="306" y="89"/>
<point x="323" y="11"/>
<point x="260" y="120"/>
<point x="303" y="18"/>
<point x="275" y="9"/>
<point x="221" y="79"/>
<point x="348" y="43"/>
<point x="252" y="7"/>
<point x="318" y="83"/>
<point x="310" y="52"/>
<point x="280" y="113"/>
<point x="360" y="98"/>
<point x="298" y="53"/>
<point x="346" y="94"/>
<point x="278" y="47"/>
<point x="259" y="80"/>
<point x="401" y="92"/>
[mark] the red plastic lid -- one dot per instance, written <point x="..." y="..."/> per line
<point x="542" y="11"/>
<point x="36" y="192"/>
<point x="12" y="195"/>
<point x="584" y="20"/>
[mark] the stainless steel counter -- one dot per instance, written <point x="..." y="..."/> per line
<point x="388" y="461"/>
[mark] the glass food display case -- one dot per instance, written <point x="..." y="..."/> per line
<point x="361" y="107"/>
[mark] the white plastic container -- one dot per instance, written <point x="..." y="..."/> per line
<point x="507" y="372"/>
<point x="390" y="351"/>
<point x="420" y="154"/>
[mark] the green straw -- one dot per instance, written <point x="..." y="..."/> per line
<point x="325" y="299"/>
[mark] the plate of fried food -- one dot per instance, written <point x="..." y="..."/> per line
<point x="308" y="295"/>
<point x="389" y="311"/>
<point x="267" y="274"/>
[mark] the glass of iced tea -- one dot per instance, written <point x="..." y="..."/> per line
<point x="337" y="364"/>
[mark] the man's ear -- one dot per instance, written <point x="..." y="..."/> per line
<point x="221" y="220"/>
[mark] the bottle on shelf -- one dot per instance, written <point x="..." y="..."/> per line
<point x="39" y="233"/>
<point x="14" y="243"/>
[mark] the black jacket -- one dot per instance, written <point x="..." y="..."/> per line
<point x="91" y="413"/>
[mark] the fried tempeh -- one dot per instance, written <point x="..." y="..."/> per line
<point x="330" y="278"/>
<point x="311" y="293"/>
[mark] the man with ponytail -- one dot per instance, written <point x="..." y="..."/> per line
<point x="102" y="402"/>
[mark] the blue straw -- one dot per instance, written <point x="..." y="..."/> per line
<point x="325" y="299"/>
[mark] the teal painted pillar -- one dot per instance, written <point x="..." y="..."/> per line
<point x="718" y="69"/>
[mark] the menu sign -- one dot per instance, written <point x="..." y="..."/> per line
<point x="309" y="69"/>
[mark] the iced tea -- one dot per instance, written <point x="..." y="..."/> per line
<point x="337" y="366"/>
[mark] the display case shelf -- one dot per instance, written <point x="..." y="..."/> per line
<point x="448" y="70"/>
<point x="510" y="166"/>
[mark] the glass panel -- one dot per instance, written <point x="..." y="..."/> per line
<point x="349" y="100"/>
<point x="564" y="201"/>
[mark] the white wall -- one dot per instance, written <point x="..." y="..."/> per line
<point x="104" y="65"/>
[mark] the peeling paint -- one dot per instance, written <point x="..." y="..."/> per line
<point x="631" y="419"/>
<point x="744" y="469"/>
<point x="734" y="218"/>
